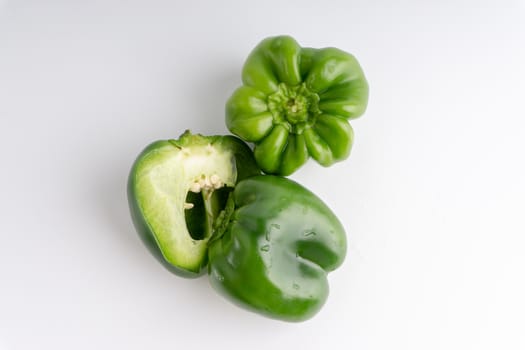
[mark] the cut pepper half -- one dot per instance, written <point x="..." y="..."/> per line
<point x="177" y="189"/>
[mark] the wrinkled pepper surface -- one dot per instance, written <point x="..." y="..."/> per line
<point x="275" y="244"/>
<point x="177" y="189"/>
<point x="295" y="103"/>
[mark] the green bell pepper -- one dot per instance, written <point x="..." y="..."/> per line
<point x="177" y="189"/>
<point x="275" y="243"/>
<point x="296" y="103"/>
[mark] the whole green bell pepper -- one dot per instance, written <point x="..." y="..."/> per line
<point x="275" y="243"/>
<point x="177" y="189"/>
<point x="296" y="103"/>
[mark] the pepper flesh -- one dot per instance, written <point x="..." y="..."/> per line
<point x="177" y="189"/>
<point x="295" y="103"/>
<point x="278" y="245"/>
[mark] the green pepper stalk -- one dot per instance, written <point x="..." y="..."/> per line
<point x="295" y="103"/>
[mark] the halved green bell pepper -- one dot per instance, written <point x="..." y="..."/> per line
<point x="275" y="243"/>
<point x="267" y="241"/>
<point x="177" y="189"/>
<point x="296" y="103"/>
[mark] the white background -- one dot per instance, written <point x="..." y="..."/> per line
<point x="432" y="196"/>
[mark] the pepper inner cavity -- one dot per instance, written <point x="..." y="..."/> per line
<point x="204" y="201"/>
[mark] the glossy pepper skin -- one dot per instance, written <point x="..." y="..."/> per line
<point x="279" y="241"/>
<point x="295" y="103"/>
<point x="177" y="189"/>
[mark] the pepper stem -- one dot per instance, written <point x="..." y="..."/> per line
<point x="209" y="200"/>
<point x="223" y="219"/>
